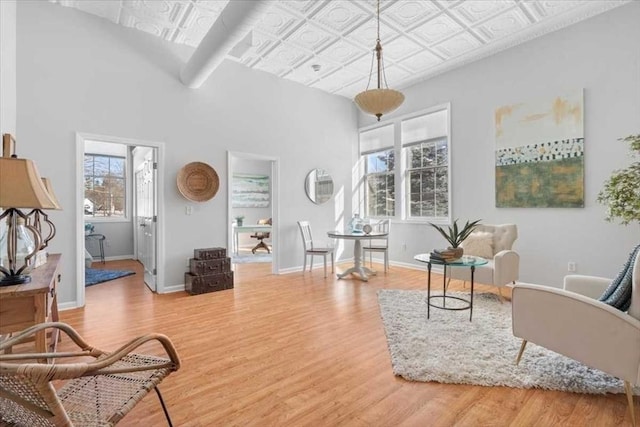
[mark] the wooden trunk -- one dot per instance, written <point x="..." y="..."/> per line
<point x="212" y="266"/>
<point x="209" y="253"/>
<point x="208" y="283"/>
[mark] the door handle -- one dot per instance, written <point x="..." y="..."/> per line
<point x="143" y="225"/>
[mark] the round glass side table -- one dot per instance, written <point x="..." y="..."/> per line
<point x="466" y="261"/>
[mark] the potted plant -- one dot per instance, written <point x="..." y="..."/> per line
<point x="455" y="235"/>
<point x="621" y="192"/>
<point x="239" y="219"/>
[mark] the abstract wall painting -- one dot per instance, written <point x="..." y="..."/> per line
<point x="250" y="191"/>
<point x="540" y="153"/>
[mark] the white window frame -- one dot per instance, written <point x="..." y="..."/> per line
<point x="402" y="189"/>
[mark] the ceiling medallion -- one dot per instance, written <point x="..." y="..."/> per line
<point x="381" y="100"/>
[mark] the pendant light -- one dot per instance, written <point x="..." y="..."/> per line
<point x="381" y="100"/>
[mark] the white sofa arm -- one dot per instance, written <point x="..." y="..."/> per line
<point x="506" y="267"/>
<point x="578" y="327"/>
<point x="589" y="286"/>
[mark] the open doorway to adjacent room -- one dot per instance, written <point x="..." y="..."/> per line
<point x="119" y="218"/>
<point x="252" y="209"/>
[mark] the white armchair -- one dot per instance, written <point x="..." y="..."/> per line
<point x="503" y="267"/>
<point x="572" y="322"/>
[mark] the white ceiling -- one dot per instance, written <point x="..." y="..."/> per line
<point x="420" y="38"/>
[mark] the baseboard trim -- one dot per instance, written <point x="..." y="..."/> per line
<point x="68" y="305"/>
<point x="435" y="268"/>
<point x="173" y="288"/>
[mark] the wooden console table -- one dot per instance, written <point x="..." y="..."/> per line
<point x="35" y="302"/>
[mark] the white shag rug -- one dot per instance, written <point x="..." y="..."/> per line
<point x="447" y="348"/>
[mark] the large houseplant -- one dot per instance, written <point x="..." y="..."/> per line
<point x="621" y="192"/>
<point x="456" y="235"/>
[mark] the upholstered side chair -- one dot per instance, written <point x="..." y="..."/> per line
<point x="573" y="322"/>
<point x="95" y="392"/>
<point x="494" y="243"/>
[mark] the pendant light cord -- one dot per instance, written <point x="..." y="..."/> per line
<point x="382" y="76"/>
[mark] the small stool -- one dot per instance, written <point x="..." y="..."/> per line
<point x="100" y="238"/>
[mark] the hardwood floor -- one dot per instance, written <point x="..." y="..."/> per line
<point x="295" y="350"/>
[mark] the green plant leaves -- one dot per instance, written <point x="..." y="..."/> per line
<point x="454" y="235"/>
<point x="621" y="192"/>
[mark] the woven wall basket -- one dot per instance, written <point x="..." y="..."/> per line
<point x="198" y="182"/>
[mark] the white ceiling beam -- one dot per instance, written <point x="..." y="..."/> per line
<point x="236" y="20"/>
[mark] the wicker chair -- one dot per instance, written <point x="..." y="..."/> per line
<point x="99" y="392"/>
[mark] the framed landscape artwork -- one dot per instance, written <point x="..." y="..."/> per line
<point x="540" y="153"/>
<point x="250" y="191"/>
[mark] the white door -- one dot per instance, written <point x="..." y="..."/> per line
<point x="146" y="218"/>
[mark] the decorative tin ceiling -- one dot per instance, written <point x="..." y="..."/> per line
<point x="420" y="38"/>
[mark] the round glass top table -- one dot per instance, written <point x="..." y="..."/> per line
<point x="362" y="271"/>
<point x="466" y="261"/>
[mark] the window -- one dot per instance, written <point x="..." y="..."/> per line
<point x="380" y="183"/>
<point x="421" y="180"/>
<point x="376" y="147"/>
<point x="426" y="149"/>
<point x="104" y="186"/>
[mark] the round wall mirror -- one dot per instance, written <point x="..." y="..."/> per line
<point x="319" y="186"/>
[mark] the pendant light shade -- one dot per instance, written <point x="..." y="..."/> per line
<point x="381" y="100"/>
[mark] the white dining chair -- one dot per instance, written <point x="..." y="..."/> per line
<point x="311" y="250"/>
<point x="378" y="245"/>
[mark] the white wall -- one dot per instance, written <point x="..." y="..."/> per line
<point x="601" y="55"/>
<point x="81" y="73"/>
<point x="8" y="68"/>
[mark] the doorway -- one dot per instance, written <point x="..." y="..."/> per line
<point x="253" y="200"/>
<point x="125" y="204"/>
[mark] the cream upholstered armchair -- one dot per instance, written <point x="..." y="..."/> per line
<point x="494" y="243"/>
<point x="571" y="322"/>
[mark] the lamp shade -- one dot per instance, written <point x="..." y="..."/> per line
<point x="52" y="195"/>
<point x="379" y="101"/>
<point x="21" y="185"/>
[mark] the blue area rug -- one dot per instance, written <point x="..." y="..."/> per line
<point x="94" y="276"/>
<point x="251" y="258"/>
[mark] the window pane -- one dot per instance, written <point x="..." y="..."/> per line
<point x="428" y="154"/>
<point x="414" y="206"/>
<point x="380" y="195"/>
<point x="428" y="179"/>
<point x="88" y="165"/>
<point x="390" y="196"/>
<point x="442" y="203"/>
<point x="415" y="157"/>
<point x="442" y="179"/>
<point x="442" y="150"/>
<point x="116" y="166"/>
<point x="101" y="166"/>
<point x="428" y="204"/>
<point x="390" y="160"/>
<point x="382" y="161"/>
<point x="415" y="181"/>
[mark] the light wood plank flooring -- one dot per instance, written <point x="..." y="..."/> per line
<point x="302" y="350"/>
